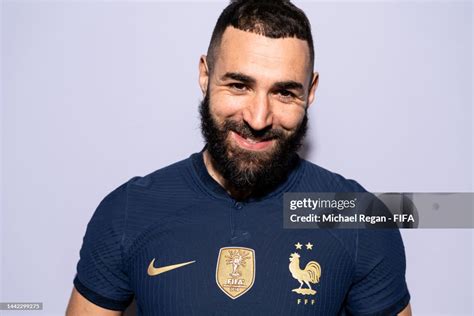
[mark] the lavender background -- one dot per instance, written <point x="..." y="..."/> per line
<point x="95" y="92"/>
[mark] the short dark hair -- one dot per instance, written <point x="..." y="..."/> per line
<point x="270" y="18"/>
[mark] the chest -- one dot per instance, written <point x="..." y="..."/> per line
<point x="234" y="262"/>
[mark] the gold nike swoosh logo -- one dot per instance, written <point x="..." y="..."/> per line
<point x="152" y="271"/>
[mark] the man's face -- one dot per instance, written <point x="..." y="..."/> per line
<point x="254" y="110"/>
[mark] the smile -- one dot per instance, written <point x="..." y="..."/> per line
<point x="251" y="144"/>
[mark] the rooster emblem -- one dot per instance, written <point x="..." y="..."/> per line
<point x="310" y="274"/>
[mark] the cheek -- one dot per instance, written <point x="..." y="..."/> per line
<point x="289" y="118"/>
<point x="225" y="106"/>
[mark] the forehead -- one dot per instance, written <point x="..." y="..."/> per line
<point x="263" y="57"/>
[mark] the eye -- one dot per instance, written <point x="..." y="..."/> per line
<point x="238" y="86"/>
<point x="286" y="95"/>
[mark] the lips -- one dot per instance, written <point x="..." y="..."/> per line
<point x="250" y="143"/>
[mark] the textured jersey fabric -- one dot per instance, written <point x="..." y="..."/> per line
<point x="179" y="214"/>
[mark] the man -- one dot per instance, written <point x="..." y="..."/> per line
<point x="205" y="236"/>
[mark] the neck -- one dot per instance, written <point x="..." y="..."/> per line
<point x="219" y="178"/>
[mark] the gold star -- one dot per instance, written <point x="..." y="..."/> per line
<point x="309" y="246"/>
<point x="298" y="245"/>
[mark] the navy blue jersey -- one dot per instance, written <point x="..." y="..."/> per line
<point x="180" y="245"/>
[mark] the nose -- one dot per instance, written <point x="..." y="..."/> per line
<point x="258" y="113"/>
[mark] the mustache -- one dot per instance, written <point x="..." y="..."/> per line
<point x="244" y="130"/>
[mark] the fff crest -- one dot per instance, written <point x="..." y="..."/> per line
<point x="235" y="271"/>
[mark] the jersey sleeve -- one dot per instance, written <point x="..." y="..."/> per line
<point x="101" y="277"/>
<point x="379" y="286"/>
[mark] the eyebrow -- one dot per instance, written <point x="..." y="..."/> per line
<point x="288" y="85"/>
<point x="238" y="77"/>
<point x="281" y="85"/>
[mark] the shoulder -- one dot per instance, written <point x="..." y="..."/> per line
<point x="141" y="200"/>
<point x="116" y="202"/>
<point x="169" y="176"/>
<point x="318" y="179"/>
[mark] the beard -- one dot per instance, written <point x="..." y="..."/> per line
<point x="258" y="172"/>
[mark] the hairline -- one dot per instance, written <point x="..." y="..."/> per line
<point x="215" y="45"/>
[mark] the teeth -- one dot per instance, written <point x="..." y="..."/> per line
<point x="251" y="140"/>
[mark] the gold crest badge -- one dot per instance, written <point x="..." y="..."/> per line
<point x="235" y="271"/>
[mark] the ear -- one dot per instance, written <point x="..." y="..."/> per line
<point x="312" y="89"/>
<point x="203" y="74"/>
